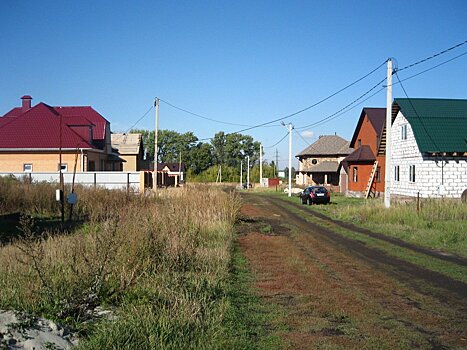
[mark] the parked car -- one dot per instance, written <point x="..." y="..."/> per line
<point x="314" y="195"/>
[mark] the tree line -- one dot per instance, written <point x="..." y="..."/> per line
<point x="203" y="159"/>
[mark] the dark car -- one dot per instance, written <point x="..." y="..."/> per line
<point x="315" y="194"/>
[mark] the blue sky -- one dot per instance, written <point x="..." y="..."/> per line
<point x="244" y="62"/>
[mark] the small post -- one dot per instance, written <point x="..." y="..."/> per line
<point x="248" y="173"/>
<point x="418" y="203"/>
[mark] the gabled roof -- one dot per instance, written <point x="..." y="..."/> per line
<point x="126" y="143"/>
<point x="327" y="145"/>
<point x="173" y="167"/>
<point x="39" y="128"/>
<point x="361" y="154"/>
<point x="439" y="125"/>
<point x="377" y="118"/>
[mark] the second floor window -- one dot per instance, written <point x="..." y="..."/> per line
<point x="404" y="132"/>
<point x="355" y="174"/>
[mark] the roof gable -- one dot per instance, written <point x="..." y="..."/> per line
<point x="377" y="118"/>
<point x="439" y="125"/>
<point x="127" y="143"/>
<point x="327" y="145"/>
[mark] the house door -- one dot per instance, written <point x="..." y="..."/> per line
<point x="343" y="183"/>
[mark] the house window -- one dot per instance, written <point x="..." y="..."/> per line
<point x="314" y="161"/>
<point x="27" y="168"/>
<point x="62" y="167"/>
<point x="404" y="132"/>
<point x="378" y="174"/>
<point x="396" y="173"/>
<point x="91" y="165"/>
<point x="412" y="173"/>
<point x="355" y="174"/>
<point x="359" y="143"/>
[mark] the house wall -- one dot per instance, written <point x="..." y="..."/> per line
<point x="131" y="162"/>
<point x="305" y="168"/>
<point x="428" y="170"/>
<point x="99" y="159"/>
<point x="368" y="135"/>
<point x="41" y="162"/>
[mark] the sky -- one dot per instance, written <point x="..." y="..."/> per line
<point x="239" y="62"/>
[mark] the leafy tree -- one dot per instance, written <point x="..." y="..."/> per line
<point x="201" y="157"/>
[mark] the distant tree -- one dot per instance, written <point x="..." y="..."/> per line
<point x="201" y="157"/>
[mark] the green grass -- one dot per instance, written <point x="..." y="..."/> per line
<point x="440" y="224"/>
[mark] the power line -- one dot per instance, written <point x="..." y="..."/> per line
<point x="316" y="103"/>
<point x="432" y="56"/>
<point x="274" y="145"/>
<point x="416" y="113"/>
<point x="427" y="70"/>
<point x="336" y="114"/>
<point x="201" y="116"/>
<point x="131" y="127"/>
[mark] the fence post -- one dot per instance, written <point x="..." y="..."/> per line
<point x="418" y="202"/>
<point x="127" y="182"/>
<point x="95" y="179"/>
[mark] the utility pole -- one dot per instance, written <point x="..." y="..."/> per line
<point x="260" y="164"/>
<point x="241" y="173"/>
<point x="248" y="173"/>
<point x="388" y="170"/>
<point x="156" y="105"/>
<point x="290" y="128"/>
<point x="62" y="182"/>
<point x="276" y="171"/>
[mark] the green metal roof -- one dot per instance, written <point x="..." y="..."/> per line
<point x="439" y="125"/>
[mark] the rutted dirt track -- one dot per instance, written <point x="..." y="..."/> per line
<point x="334" y="292"/>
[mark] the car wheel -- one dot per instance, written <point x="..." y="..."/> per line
<point x="310" y="202"/>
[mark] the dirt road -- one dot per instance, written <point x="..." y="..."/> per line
<point x="333" y="292"/>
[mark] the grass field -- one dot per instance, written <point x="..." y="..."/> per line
<point x="440" y="224"/>
<point x="165" y="266"/>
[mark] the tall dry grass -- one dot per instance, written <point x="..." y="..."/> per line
<point x="165" y="259"/>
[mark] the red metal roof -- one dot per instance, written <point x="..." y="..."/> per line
<point x="39" y="127"/>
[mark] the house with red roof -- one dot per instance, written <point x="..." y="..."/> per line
<point x="32" y="138"/>
<point x="363" y="170"/>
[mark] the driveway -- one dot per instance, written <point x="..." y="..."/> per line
<point x="333" y="292"/>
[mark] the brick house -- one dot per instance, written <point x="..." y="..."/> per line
<point x="319" y="162"/>
<point x="31" y="139"/>
<point x="429" y="147"/>
<point x="362" y="171"/>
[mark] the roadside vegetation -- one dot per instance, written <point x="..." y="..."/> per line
<point x="161" y="266"/>
<point x="439" y="224"/>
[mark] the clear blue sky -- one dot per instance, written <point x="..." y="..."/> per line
<point x="244" y="62"/>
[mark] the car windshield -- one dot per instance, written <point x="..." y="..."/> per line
<point x="319" y="190"/>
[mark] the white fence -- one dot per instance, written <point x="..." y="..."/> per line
<point x="107" y="179"/>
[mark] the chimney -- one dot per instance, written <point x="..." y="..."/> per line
<point x="26" y="103"/>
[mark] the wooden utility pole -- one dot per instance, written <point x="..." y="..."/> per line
<point x="248" y="173"/>
<point x="156" y="105"/>
<point x="62" y="183"/>
<point x="388" y="170"/>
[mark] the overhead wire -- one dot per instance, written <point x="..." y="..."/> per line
<point x="136" y="123"/>
<point x="274" y="145"/>
<point x="416" y="113"/>
<point x="432" y="56"/>
<point x="339" y="112"/>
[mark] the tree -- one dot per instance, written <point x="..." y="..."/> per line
<point x="201" y="157"/>
<point x="231" y="149"/>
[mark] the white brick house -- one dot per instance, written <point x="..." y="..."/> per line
<point x="429" y="148"/>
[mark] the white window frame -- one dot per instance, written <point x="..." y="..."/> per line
<point x="27" y="165"/>
<point x="412" y="173"/>
<point x="404" y="132"/>
<point x="397" y="173"/>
